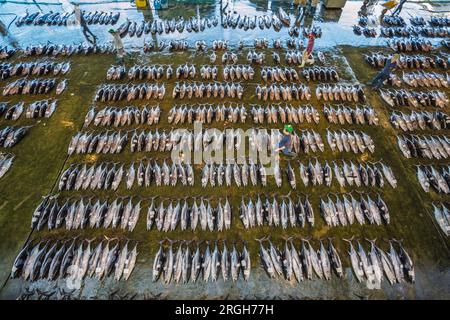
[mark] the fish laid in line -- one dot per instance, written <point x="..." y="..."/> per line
<point x="424" y="146"/>
<point x="292" y="264"/>
<point x="108" y="176"/>
<point x="129" y="92"/>
<point x="342" y="114"/>
<point x="436" y="178"/>
<point x="75" y="260"/>
<point x="419" y="120"/>
<point x="183" y="265"/>
<point x="346" y="210"/>
<point x="120" y="117"/>
<point x="6" y="161"/>
<point x="12" y="135"/>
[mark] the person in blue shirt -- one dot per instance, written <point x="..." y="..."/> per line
<point x="285" y="144"/>
<point x="384" y="74"/>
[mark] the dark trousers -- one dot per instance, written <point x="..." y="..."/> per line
<point x="88" y="33"/>
<point x="398" y="9"/>
<point x="377" y="82"/>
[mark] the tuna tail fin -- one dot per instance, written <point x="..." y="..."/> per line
<point x="261" y="239"/>
<point x="349" y="240"/>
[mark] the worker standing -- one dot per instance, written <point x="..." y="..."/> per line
<point x="307" y="53"/>
<point x="118" y="44"/>
<point x="384" y="74"/>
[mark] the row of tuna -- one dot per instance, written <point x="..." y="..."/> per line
<point x="101" y="17"/>
<point x="37" y="109"/>
<point x="207" y="113"/>
<point x="12" y="112"/>
<point x="240" y="174"/>
<point x="419" y="21"/>
<point x="129" y="92"/>
<point x="213" y="140"/>
<point x="36" y="86"/>
<point x="350" y="141"/>
<point x="311" y="174"/>
<point x="276" y="20"/>
<point x="276" y="211"/>
<point x="279" y="92"/>
<point x="442" y="216"/>
<point x="393" y="20"/>
<point x="342" y="114"/>
<point x="120" y="117"/>
<point x="143" y="140"/>
<point x="338" y="92"/>
<point x="74" y="259"/>
<point x="292" y="264"/>
<point x="378" y="60"/>
<point x="320" y="74"/>
<point x="438" y="179"/>
<point x="150" y="72"/>
<point x="6" y="161"/>
<point x="232" y="58"/>
<point x="348" y="211"/>
<point x="190" y="90"/>
<point x="233" y="72"/>
<point x="38" y="68"/>
<point x="108" y="176"/>
<point x="420" y="120"/>
<point x="440" y="21"/>
<point x="104" y="142"/>
<point x="62" y="18"/>
<point x="396" y="265"/>
<point x="426" y="79"/>
<point x="79" y="214"/>
<point x="430" y="32"/>
<point x="295" y="57"/>
<point x="189" y="213"/>
<point x="57" y="50"/>
<point x="278" y="74"/>
<point x="365" y="31"/>
<point x="124" y="212"/>
<point x="347" y="173"/>
<point x="6" y="52"/>
<point x="411" y="45"/>
<point x="402" y="97"/>
<point x="12" y="135"/>
<point x="158" y="26"/>
<point x="430" y="147"/>
<point x="284" y="113"/>
<point x="185" y="265"/>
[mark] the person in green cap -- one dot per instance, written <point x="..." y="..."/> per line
<point x="120" y="51"/>
<point x="286" y="141"/>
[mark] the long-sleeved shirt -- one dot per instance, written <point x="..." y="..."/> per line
<point x="285" y="142"/>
